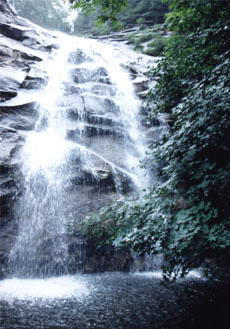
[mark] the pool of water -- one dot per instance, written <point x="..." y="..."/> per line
<point x="112" y="301"/>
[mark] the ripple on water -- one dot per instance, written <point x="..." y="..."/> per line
<point x="50" y="288"/>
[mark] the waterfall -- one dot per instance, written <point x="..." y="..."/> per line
<point x="87" y="103"/>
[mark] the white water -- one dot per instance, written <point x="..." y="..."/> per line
<point x="129" y="106"/>
<point x="43" y="289"/>
<point x="41" y="248"/>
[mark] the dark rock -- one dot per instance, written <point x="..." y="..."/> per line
<point x="101" y="258"/>
<point x="5" y="8"/>
<point x="5" y="95"/>
<point x="17" y="58"/>
<point x="9" y="143"/>
<point x="8" y="232"/>
<point x="13" y="31"/>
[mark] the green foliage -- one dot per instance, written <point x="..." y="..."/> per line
<point x="156" y="47"/>
<point x="108" y="8"/>
<point x="151" y="41"/>
<point x="188" y="15"/>
<point x="186" y="218"/>
<point x="109" y="13"/>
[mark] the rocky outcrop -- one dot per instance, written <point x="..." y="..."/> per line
<point x="22" y="46"/>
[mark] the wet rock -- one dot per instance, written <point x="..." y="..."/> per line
<point x="11" y="78"/>
<point x="78" y="57"/>
<point x="15" y="57"/>
<point x="8" y="232"/>
<point x="141" y="84"/>
<point x="90" y="88"/>
<point x="99" y="104"/>
<point x="5" y="8"/>
<point x="38" y="40"/>
<point x="81" y="75"/>
<point x="108" y="119"/>
<point x="72" y="89"/>
<point x="5" y="95"/>
<point x="143" y="94"/>
<point x="13" y="31"/>
<point x="34" y="79"/>
<point x="109" y="148"/>
<point x="9" y="143"/>
<point x="19" y="117"/>
<point x="94" y="130"/>
<point x="103" y="89"/>
<point x="90" y="168"/>
<point x="74" y="102"/>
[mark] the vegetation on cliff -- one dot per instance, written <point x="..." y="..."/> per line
<point x="102" y="17"/>
<point x="186" y="217"/>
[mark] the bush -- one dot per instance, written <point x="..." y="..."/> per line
<point x="186" y="218"/>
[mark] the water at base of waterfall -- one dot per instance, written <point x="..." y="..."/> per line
<point x="112" y="301"/>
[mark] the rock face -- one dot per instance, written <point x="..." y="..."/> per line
<point x="23" y="47"/>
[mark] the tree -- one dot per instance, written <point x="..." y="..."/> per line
<point x="108" y="8"/>
<point x="100" y="17"/>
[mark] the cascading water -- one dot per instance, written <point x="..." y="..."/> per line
<point x="40" y="248"/>
<point x="88" y="95"/>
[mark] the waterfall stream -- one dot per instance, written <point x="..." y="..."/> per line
<point x="87" y="137"/>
